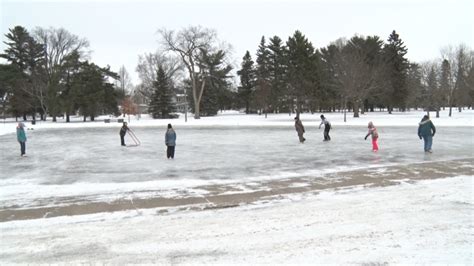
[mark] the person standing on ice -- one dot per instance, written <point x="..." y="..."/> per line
<point x="375" y="135"/>
<point x="299" y="129"/>
<point x="21" y="137"/>
<point x="123" y="131"/>
<point x="327" y="127"/>
<point x="170" y="141"/>
<point x="426" y="131"/>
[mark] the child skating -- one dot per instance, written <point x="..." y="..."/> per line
<point x="375" y="136"/>
<point x="327" y="127"/>
<point x="299" y="129"/>
<point x="21" y="137"/>
<point x="122" y="133"/>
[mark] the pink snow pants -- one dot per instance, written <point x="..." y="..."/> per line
<point x="375" y="147"/>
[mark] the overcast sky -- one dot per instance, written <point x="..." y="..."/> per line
<point x="119" y="31"/>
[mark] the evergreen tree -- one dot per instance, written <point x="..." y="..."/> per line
<point x="462" y="96"/>
<point x="92" y="93"/>
<point x="262" y="92"/>
<point x="301" y="68"/>
<point x="277" y="69"/>
<point x="415" y="86"/>
<point x="330" y="86"/>
<point x="445" y="85"/>
<point x="247" y="81"/>
<point x="161" y="105"/>
<point x="396" y="72"/>
<point x="430" y="92"/>
<point x="217" y="73"/>
<point x="27" y="57"/>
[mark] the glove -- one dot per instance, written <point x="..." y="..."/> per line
<point x="420" y="137"/>
<point x="432" y="134"/>
<point x="365" y="138"/>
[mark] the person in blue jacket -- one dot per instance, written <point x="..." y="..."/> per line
<point x="426" y="131"/>
<point x="21" y="137"/>
<point x="170" y="141"/>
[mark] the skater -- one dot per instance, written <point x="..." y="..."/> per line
<point x="299" y="129"/>
<point x="21" y="137"/>
<point x="123" y="131"/>
<point x="426" y="131"/>
<point x="375" y="135"/>
<point x="327" y="127"/>
<point x="170" y="141"/>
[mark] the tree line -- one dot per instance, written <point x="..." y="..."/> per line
<point x="48" y="73"/>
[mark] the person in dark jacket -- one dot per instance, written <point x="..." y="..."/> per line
<point x="122" y="133"/>
<point x="327" y="127"/>
<point x="426" y="131"/>
<point x="21" y="137"/>
<point x="170" y="141"/>
<point x="299" y="129"/>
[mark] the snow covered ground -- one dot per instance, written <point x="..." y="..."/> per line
<point x="430" y="222"/>
<point x="70" y="165"/>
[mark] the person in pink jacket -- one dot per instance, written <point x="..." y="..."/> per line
<point x="375" y="135"/>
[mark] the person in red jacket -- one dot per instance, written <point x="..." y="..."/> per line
<point x="375" y="136"/>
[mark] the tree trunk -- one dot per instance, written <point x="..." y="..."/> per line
<point x="450" y="111"/>
<point x="24" y="117"/>
<point x="389" y="110"/>
<point x="460" y="109"/>
<point x="196" y="109"/>
<point x="356" y="108"/>
<point x="92" y="118"/>
<point x="54" y="118"/>
<point x="437" y="113"/>
<point x="84" y="119"/>
<point x="68" y="118"/>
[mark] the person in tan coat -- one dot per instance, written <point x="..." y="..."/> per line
<point x="299" y="129"/>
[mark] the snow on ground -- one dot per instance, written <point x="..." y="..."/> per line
<point x="428" y="222"/>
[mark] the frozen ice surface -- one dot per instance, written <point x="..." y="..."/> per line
<point x="90" y="161"/>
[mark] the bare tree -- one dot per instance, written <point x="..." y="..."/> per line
<point x="189" y="43"/>
<point x="148" y="65"/>
<point x="124" y="82"/>
<point x="58" y="45"/>
<point x="357" y="69"/>
<point x="450" y="54"/>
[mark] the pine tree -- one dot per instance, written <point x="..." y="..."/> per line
<point x="445" y="85"/>
<point x="27" y="57"/>
<point x="301" y="68"/>
<point x="262" y="77"/>
<point x="161" y="105"/>
<point x="462" y="95"/>
<point x="396" y="72"/>
<point x="431" y="91"/>
<point x="217" y="74"/>
<point x="247" y="81"/>
<point x="277" y="70"/>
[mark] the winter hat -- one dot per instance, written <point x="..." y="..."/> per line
<point x="322" y="116"/>
<point x="21" y="124"/>
<point x="371" y="125"/>
<point x="169" y="126"/>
